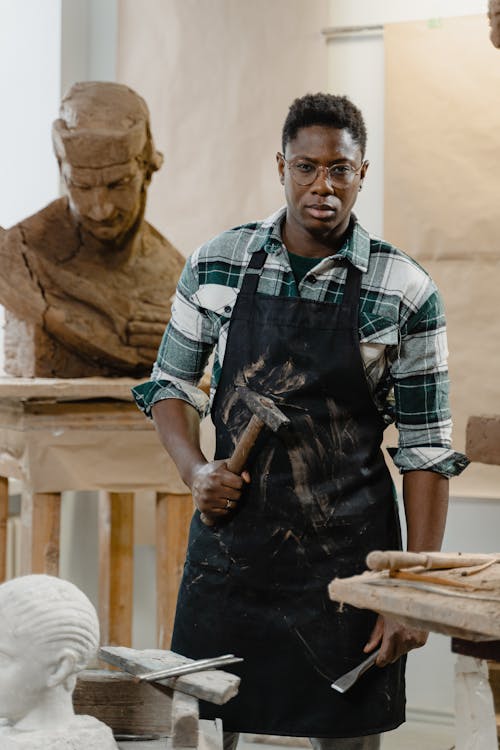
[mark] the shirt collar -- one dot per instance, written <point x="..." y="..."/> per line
<point x="356" y="247"/>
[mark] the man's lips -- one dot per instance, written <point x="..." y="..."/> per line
<point x="321" y="210"/>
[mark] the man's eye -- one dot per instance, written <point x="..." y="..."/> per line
<point x="303" y="166"/>
<point x="340" y="169"/>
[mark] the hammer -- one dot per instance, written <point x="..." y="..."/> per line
<point x="264" y="413"/>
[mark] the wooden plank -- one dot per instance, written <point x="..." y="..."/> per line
<point x="459" y="614"/>
<point x="483" y="439"/>
<point x="173" y="517"/>
<point x="128" y="707"/>
<point x="185" y="718"/>
<point x="46" y="531"/>
<point x="212" y="685"/>
<point x="4" y="515"/>
<point x="62" y="389"/>
<point x="116" y="566"/>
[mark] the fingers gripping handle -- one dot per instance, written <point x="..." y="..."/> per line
<point x="238" y="460"/>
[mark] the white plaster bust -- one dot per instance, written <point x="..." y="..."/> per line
<point x="48" y="633"/>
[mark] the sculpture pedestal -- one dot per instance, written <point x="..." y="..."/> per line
<point x="87" y="434"/>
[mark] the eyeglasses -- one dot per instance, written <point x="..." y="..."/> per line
<point x="305" y="172"/>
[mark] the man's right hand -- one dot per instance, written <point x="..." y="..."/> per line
<point x="216" y="490"/>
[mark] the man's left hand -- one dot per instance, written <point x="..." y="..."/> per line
<point x="394" y="640"/>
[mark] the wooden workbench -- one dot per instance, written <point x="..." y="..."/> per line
<point x="450" y="611"/>
<point x="471" y="618"/>
<point x="87" y="434"/>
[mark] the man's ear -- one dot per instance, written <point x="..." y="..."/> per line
<point x="281" y="167"/>
<point x="63" y="670"/>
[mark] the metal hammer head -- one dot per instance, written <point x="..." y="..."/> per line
<point x="263" y="408"/>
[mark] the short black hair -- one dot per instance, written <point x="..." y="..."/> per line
<point x="324" y="109"/>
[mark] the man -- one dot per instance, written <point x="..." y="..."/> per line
<point x="346" y="334"/>
<point x="86" y="280"/>
<point x="48" y="633"/>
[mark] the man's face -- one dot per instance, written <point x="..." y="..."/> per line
<point x="494" y="16"/>
<point x="321" y="209"/>
<point x="22" y="677"/>
<point x="106" y="201"/>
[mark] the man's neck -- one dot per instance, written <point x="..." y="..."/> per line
<point x="301" y="242"/>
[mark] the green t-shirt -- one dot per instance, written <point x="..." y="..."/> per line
<point x="301" y="265"/>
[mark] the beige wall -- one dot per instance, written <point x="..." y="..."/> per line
<point x="218" y="76"/>
<point x="442" y="162"/>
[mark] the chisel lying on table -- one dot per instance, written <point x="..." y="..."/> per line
<point x="398" y="560"/>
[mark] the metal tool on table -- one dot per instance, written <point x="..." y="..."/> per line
<point x="350" y="678"/>
<point x="265" y="413"/>
<point x="196" y="666"/>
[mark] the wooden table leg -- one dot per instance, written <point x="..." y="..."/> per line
<point x="4" y="515"/>
<point x="173" y="516"/>
<point x="41" y="525"/>
<point x="116" y="567"/>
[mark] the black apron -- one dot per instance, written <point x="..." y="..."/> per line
<point x="320" y="499"/>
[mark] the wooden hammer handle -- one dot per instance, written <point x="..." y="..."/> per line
<point x="238" y="460"/>
<point x="395" y="560"/>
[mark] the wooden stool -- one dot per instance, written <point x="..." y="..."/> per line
<point x="87" y="434"/>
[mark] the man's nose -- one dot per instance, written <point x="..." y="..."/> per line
<point x="323" y="183"/>
<point x="100" y="207"/>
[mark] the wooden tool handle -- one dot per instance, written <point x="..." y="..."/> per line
<point x="240" y="455"/>
<point x="238" y="460"/>
<point x="395" y="560"/>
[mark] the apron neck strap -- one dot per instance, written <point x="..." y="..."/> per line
<point x="252" y="274"/>
<point x="352" y="287"/>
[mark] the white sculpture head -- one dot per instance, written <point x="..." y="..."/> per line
<point x="48" y="633"/>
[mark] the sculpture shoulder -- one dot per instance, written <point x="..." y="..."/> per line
<point x="82" y="733"/>
<point x="156" y="244"/>
<point x="46" y="231"/>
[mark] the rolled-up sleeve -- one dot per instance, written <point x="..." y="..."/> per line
<point x="184" y="351"/>
<point x="421" y="394"/>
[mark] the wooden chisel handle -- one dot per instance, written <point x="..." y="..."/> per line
<point x="396" y="560"/>
<point x="238" y="460"/>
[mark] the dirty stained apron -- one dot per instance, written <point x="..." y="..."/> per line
<point x="320" y="499"/>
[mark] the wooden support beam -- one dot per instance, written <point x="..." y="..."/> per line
<point x="185" y="720"/>
<point x="173" y="517"/>
<point x="46" y="532"/>
<point x="4" y="515"/>
<point x="116" y="566"/>
<point x="40" y="532"/>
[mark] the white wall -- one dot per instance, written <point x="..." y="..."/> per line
<point x="356" y="68"/>
<point x="29" y="92"/>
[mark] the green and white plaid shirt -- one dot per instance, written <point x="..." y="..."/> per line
<point x="401" y="329"/>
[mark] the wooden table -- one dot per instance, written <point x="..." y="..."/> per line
<point x="469" y="617"/>
<point x="87" y="434"/>
<point x="167" y="708"/>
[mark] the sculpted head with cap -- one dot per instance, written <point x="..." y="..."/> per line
<point x="103" y="143"/>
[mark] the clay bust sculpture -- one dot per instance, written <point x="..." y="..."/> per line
<point x="494" y="16"/>
<point x="48" y="633"/>
<point x="86" y="281"/>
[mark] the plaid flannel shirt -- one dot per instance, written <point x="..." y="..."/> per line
<point x="401" y="329"/>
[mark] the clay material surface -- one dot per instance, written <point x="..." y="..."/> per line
<point x="86" y="281"/>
